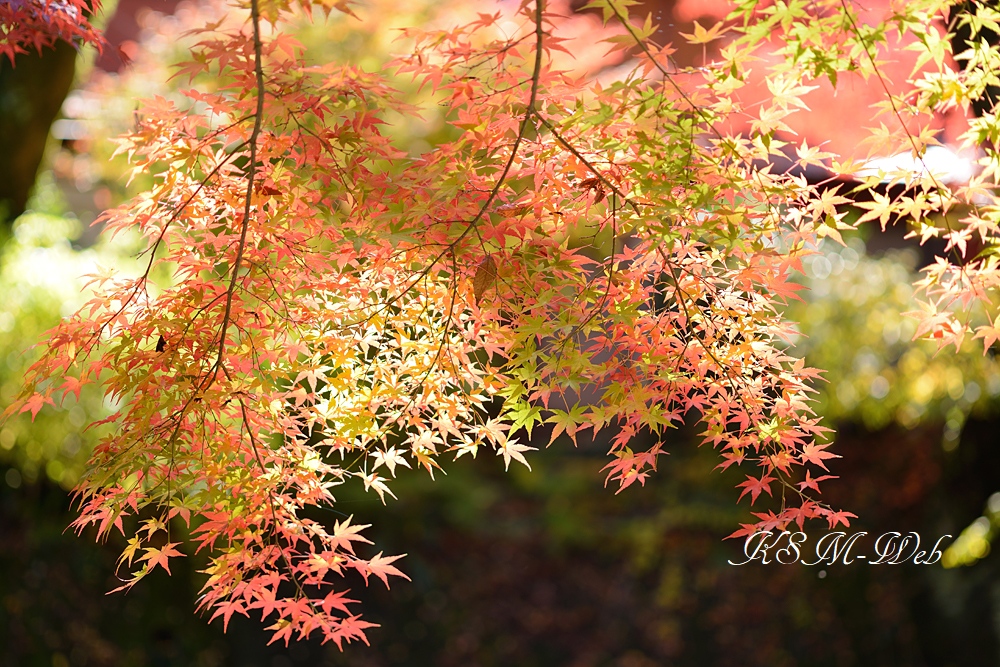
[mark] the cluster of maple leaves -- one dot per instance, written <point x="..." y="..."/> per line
<point x="581" y="254"/>
<point x="27" y="25"/>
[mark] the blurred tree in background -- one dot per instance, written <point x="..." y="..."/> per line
<point x="507" y="569"/>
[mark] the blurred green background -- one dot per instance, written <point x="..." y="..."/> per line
<point x="524" y="568"/>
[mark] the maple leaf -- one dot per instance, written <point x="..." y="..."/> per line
<point x="703" y="36"/>
<point x="283" y="629"/>
<point x="813" y="482"/>
<point x="768" y="521"/>
<point x="813" y="453"/>
<point x="34" y="403"/>
<point x="373" y="481"/>
<point x="226" y="609"/>
<point x="486" y="275"/>
<point x="349" y="628"/>
<point x="321" y="563"/>
<point x="834" y="518"/>
<point x="746" y="530"/>
<point x="70" y="385"/>
<point x="524" y="415"/>
<point x="390" y="459"/>
<point x="626" y="469"/>
<point x="807" y="510"/>
<point x="344" y="533"/>
<point x="570" y="422"/>
<point x="337" y="600"/>
<point x="989" y="333"/>
<point x="160" y="556"/>
<point x="632" y="475"/>
<point x="381" y="566"/>
<point x="133" y="546"/>
<point x="511" y="449"/>
<point x="266" y="600"/>
<point x="754" y="486"/>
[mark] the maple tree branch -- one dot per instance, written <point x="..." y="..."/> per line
<point x="141" y="281"/>
<point x="959" y="264"/>
<point x="641" y="43"/>
<point x="918" y="153"/>
<point x="274" y="518"/>
<point x="599" y="306"/>
<point x="669" y="78"/>
<point x="536" y="74"/>
<point x="258" y="118"/>
<point x="579" y="156"/>
<point x="530" y="111"/>
<point x="251" y="173"/>
<point x="733" y="382"/>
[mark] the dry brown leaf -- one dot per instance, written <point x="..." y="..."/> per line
<point x="486" y="275"/>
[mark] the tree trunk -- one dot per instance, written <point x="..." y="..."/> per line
<point x="31" y="94"/>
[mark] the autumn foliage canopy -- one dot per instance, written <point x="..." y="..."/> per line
<point x="604" y="252"/>
<point x="32" y="26"/>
